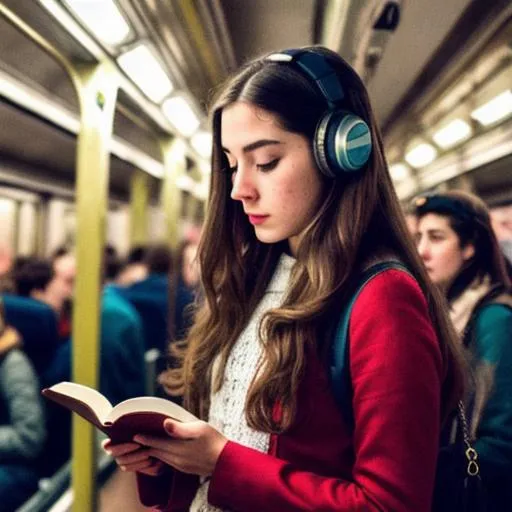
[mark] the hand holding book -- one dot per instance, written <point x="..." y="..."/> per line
<point x="141" y="415"/>
<point x="168" y="432"/>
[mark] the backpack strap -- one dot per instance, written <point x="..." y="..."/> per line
<point x="341" y="382"/>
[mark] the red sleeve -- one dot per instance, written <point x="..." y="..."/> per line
<point x="396" y="370"/>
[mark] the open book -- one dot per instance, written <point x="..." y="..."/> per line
<point x="141" y="415"/>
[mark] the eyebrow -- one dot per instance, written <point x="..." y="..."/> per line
<point x="256" y="145"/>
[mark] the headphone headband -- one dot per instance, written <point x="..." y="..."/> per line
<point x="317" y="68"/>
<point x="342" y="142"/>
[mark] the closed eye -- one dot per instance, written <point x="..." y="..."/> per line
<point x="269" y="166"/>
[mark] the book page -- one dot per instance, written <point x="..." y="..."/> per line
<point x="150" y="404"/>
<point x="98" y="404"/>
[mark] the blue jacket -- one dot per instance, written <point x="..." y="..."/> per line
<point x="150" y="297"/>
<point x="36" y="322"/>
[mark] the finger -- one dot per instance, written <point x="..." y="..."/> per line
<point x="138" y="456"/>
<point x="187" y="430"/>
<point x="118" y="450"/>
<point x="140" y="466"/>
<point x="159" y="443"/>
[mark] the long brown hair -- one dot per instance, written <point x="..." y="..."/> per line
<point x="359" y="218"/>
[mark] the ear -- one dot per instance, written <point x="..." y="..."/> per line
<point x="468" y="252"/>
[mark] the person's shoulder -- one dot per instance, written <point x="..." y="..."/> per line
<point x="391" y="285"/>
<point x="492" y="314"/>
<point x="15" y="360"/>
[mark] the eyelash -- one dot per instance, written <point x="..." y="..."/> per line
<point x="269" y="166"/>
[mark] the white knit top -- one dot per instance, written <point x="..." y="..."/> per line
<point x="227" y="407"/>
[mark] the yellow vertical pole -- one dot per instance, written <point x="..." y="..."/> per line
<point x="139" y="194"/>
<point x="174" y="163"/>
<point x="97" y="90"/>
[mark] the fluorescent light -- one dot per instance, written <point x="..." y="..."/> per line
<point x="454" y="132"/>
<point x="399" y="172"/>
<point x="141" y="65"/>
<point x="205" y="167"/>
<point x="103" y="18"/>
<point x="421" y="155"/>
<point x="202" y="143"/>
<point x="180" y="114"/>
<point x="496" y="109"/>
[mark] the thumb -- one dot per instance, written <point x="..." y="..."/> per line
<point x="179" y="430"/>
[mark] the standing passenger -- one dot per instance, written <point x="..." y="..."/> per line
<point x="462" y="256"/>
<point x="301" y="202"/>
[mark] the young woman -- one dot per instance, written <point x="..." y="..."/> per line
<point x="463" y="257"/>
<point x="300" y="203"/>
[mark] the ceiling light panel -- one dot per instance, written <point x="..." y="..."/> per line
<point x="102" y="18"/>
<point x="454" y="132"/>
<point x="421" y="155"/>
<point x="202" y="143"/>
<point x="399" y="172"/>
<point x="494" y="110"/>
<point x="180" y="114"/>
<point x="141" y="66"/>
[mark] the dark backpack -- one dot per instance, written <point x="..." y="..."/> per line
<point x="457" y="489"/>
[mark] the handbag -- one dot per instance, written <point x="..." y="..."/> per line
<point x="458" y="486"/>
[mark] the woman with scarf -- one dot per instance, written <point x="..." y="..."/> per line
<point x="463" y="257"/>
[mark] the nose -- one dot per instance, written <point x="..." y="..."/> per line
<point x="423" y="249"/>
<point x="244" y="188"/>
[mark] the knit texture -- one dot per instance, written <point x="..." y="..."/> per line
<point x="227" y="406"/>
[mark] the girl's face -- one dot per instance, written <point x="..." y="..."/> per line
<point x="273" y="173"/>
<point x="439" y="247"/>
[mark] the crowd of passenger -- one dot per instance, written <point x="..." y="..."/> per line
<point x="465" y="250"/>
<point x="138" y="292"/>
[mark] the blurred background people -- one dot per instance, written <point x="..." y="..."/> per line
<point x="150" y="296"/>
<point x="135" y="268"/>
<point x="186" y="287"/>
<point x="22" y="423"/>
<point x="462" y="256"/>
<point x="501" y="218"/>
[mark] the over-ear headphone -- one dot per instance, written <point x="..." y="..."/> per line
<point x="342" y="142"/>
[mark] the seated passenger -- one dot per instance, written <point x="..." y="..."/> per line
<point x="135" y="268"/>
<point x="22" y="425"/>
<point x="151" y="297"/>
<point x="122" y="370"/>
<point x="30" y="313"/>
<point x="60" y="296"/>
<point x="462" y="256"/>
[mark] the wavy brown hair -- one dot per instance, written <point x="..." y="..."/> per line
<point x="359" y="219"/>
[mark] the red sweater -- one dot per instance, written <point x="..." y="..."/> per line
<point x="386" y="463"/>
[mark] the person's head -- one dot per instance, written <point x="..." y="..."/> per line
<point x="32" y="278"/>
<point x="137" y="254"/>
<point x="187" y="263"/>
<point x="501" y="219"/>
<point x="456" y="241"/>
<point x="159" y="259"/>
<point x="280" y="140"/>
<point x="112" y="266"/>
<point x="62" y="287"/>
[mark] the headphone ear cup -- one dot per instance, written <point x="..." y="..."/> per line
<point x="342" y="143"/>
<point x="320" y="146"/>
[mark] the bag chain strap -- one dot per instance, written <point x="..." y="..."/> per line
<point x="471" y="454"/>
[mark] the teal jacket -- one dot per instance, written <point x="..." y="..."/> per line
<point x="122" y="372"/>
<point x="492" y="344"/>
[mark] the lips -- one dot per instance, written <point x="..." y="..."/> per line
<point x="257" y="219"/>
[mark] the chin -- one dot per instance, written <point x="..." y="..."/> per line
<point x="269" y="238"/>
